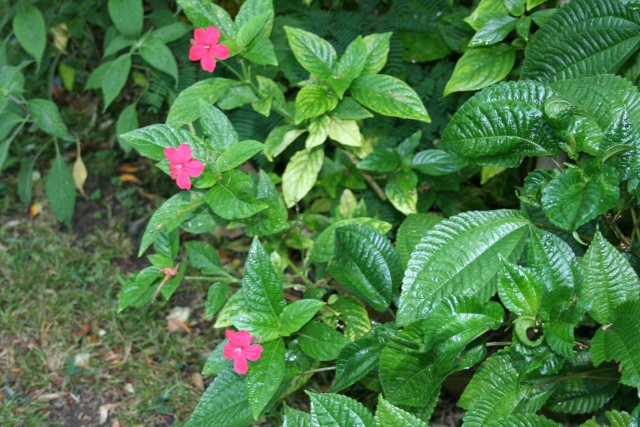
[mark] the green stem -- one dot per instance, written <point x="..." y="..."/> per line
<point x="226" y="279"/>
<point x="299" y="273"/>
<point x="233" y="70"/>
<point x="313" y="371"/>
<point x="374" y="185"/>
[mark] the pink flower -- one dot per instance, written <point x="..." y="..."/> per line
<point x="182" y="166"/>
<point x="205" y="48"/>
<point x="240" y="349"/>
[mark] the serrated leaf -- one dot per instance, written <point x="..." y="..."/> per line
<point x="389" y="96"/>
<point x="356" y="360"/>
<point x="202" y="14"/>
<point x="609" y="279"/>
<point x="159" y="56"/>
<point x="390" y="415"/>
<point x="480" y="67"/>
<point x="263" y="289"/>
<point x="524" y="420"/>
<point x="315" y="54"/>
<point x="301" y="174"/>
<point x="619" y="341"/>
<point x="572" y="199"/>
<point x="294" y="418"/>
<point x="46" y="115"/>
<point x="114" y="79"/>
<point x="30" y="30"/>
<point x="61" y="191"/>
<point x="383" y="160"/>
<point x="182" y="110"/>
<point x="596" y="36"/>
<point x="170" y="215"/>
<point x="224" y="403"/>
<point x="352" y="312"/>
<point x="294" y="316"/>
<point x="519" y="289"/>
<point x="265" y="376"/>
<point x="216" y="297"/>
<point x="464" y="248"/>
<point x="411" y="231"/>
<point x="324" y="246"/>
<point x="367" y="264"/>
<point x="501" y="125"/>
<point x="230" y="198"/>
<point x="402" y="192"/>
<point x="320" y="341"/>
<point x="434" y="162"/>
<point x="313" y="101"/>
<point x="494" y="31"/>
<point x="559" y="337"/>
<point x="237" y="154"/>
<point x="328" y="409"/>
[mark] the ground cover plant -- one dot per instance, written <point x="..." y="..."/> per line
<point x="400" y="231"/>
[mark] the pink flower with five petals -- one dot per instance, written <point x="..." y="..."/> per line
<point x="240" y="350"/>
<point x="182" y="166"/>
<point x="205" y="48"/>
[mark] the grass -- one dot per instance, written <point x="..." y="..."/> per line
<point x="58" y="307"/>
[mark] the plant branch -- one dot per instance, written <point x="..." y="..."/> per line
<point x="374" y="185"/>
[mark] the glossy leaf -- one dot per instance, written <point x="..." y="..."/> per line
<point x="493" y="31"/>
<point x="202" y="14"/>
<point x="265" y="376"/>
<point x="328" y="409"/>
<point x="519" y="289"/>
<point x="216" y="297"/>
<point x="389" y="96"/>
<point x="402" y="192"/>
<point x="231" y="198"/>
<point x="279" y="139"/>
<point x="383" y="160"/>
<point x="485" y="12"/>
<point x="411" y="231"/>
<point x="524" y="420"/>
<point x="378" y="48"/>
<point x="324" y="246"/>
<point x="320" y="341"/>
<point x="217" y="126"/>
<point x="559" y="337"/>
<point x="300" y="175"/>
<point x="315" y="55"/>
<point x="350" y="66"/>
<point x="367" y="264"/>
<point x="357" y="359"/>
<point x="127" y="122"/>
<point x="434" y="162"/>
<point x="464" y="248"/>
<point x="294" y="418"/>
<point x="502" y="125"/>
<point x="294" y="316"/>
<point x="480" y="67"/>
<point x="314" y="100"/>
<point x="263" y="289"/>
<point x="390" y="415"/>
<point x="346" y="132"/>
<point x="237" y="154"/>
<point x="150" y="141"/>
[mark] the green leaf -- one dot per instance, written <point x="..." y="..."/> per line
<point x="293" y="418"/>
<point x="501" y="125"/>
<point x="294" y="316"/>
<point x="150" y="141"/>
<point x="224" y="403"/>
<point x="273" y="219"/>
<point x="114" y="79"/>
<point x="139" y="289"/>
<point x="434" y="162"/>
<point x="559" y="337"/>
<point x="217" y="126"/>
<point x="262" y="286"/>
<point x="524" y="420"/>
<point x="202" y="14"/>
<point x="230" y="199"/>
<point x="480" y="67"/>
<point x="251" y="9"/>
<point x="11" y="80"/>
<point x="584" y="38"/>
<point x="182" y="110"/>
<point x="357" y="359"/>
<point x="251" y="28"/>
<point x="127" y="121"/>
<point x="352" y="312"/>
<point x="572" y="199"/>
<point x="465" y="248"/>
<point x="349" y="109"/>
<point x="493" y="31"/>
<point x="300" y="174"/>
<point x="261" y="51"/>
<point x="159" y="56"/>
<point x="237" y="154"/>
<point x="30" y="30"/>
<point x="411" y="231"/>
<point x="167" y="245"/>
<point x="116" y="44"/>
<point x="204" y="257"/>
<point x="367" y="264"/>
<point x="580" y="392"/>
<point x="61" y="192"/>
<point x="25" y="179"/>
<point x="554" y="263"/>
<point x="234" y="306"/>
<point x="318" y="132"/>
<point x="97" y="76"/>
<point x="346" y="132"/>
<point x="46" y="115"/>
<point x="515" y="7"/>
<point x="127" y="16"/>
<point x="265" y="376"/>
<point x="320" y="341"/>
<point x="315" y="55"/>
<point x="390" y="415"/>
<point x="389" y="96"/>
<point x="519" y="289"/>
<point x="609" y="280"/>
<point x="324" y="246"/>
<point x="279" y="139"/>
<point x="171" y="32"/>
<point x="314" y="100"/>
<point x="383" y="160"/>
<point x="216" y="297"/>
<point x="350" y="66"/>
<point x="619" y="341"/>
<point x="328" y="410"/>
<point x="402" y="192"/>
<point x="170" y="215"/>
<point x="485" y="12"/>
<point x="378" y="48"/>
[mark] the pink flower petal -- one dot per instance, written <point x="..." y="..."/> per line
<point x="208" y="62"/>
<point x="174" y="168"/>
<point x="229" y="352"/>
<point x="240" y="364"/>
<point x="171" y="154"/>
<point x="220" y="51"/>
<point x="183" y="154"/>
<point x="194" y="167"/>
<point x="200" y="35"/>
<point x="197" y="52"/>
<point x="242" y="339"/>
<point x="253" y="352"/>
<point x="183" y="180"/>
<point x="211" y="35"/>
<point x="231" y="335"/>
